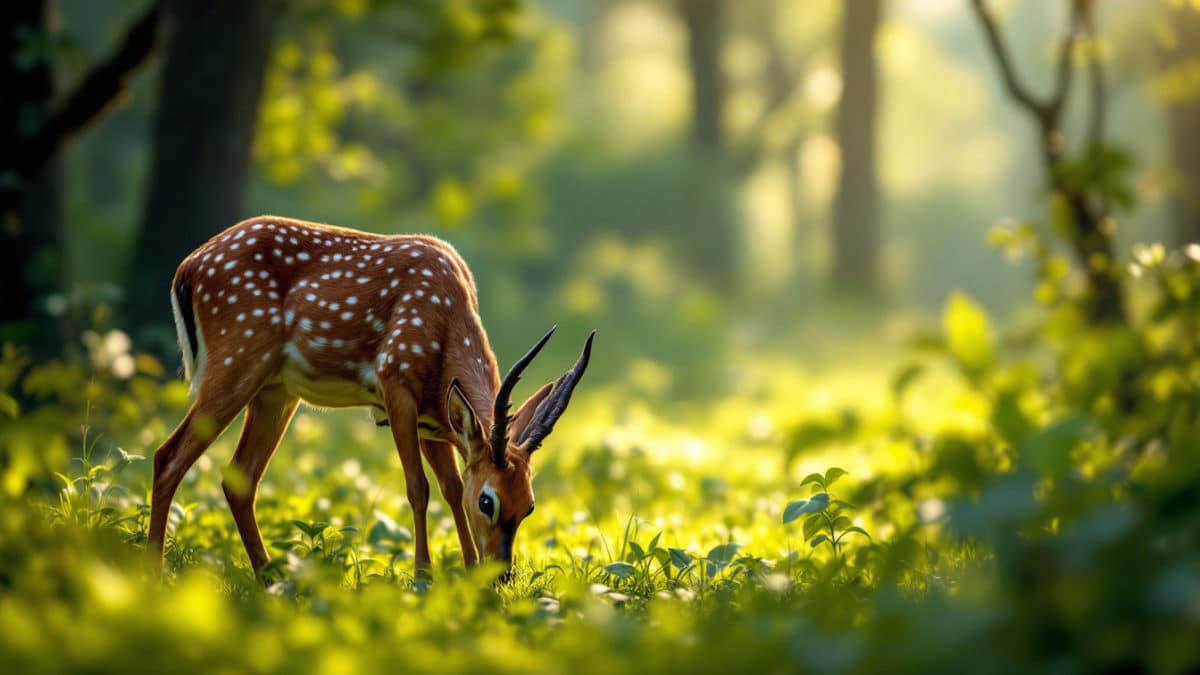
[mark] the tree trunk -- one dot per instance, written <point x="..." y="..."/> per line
<point x="856" y="205"/>
<point x="30" y="206"/>
<point x="216" y="56"/>
<point x="1184" y="131"/>
<point x="703" y="21"/>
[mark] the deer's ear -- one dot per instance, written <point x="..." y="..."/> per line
<point x="463" y="421"/>
<point x="528" y="408"/>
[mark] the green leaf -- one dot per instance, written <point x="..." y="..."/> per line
<point x="813" y="478"/>
<point x="816" y="504"/>
<point x="1008" y="418"/>
<point x="723" y="553"/>
<point x="818" y="540"/>
<point x="654" y="542"/>
<point x="813" y="524"/>
<point x="622" y="570"/>
<point x="905" y="378"/>
<point x="832" y="474"/>
<point x="680" y="558"/>
<point x="9" y="406"/>
<point x="856" y="530"/>
<point x="968" y="334"/>
<point x="638" y="553"/>
<point x="68" y="482"/>
<point x="1048" y="452"/>
<point x="310" y="529"/>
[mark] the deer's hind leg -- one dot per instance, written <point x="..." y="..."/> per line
<point x="267" y="417"/>
<point x="225" y="388"/>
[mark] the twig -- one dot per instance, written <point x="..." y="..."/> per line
<point x="103" y="84"/>
<point x="1099" y="83"/>
<point x="1015" y="89"/>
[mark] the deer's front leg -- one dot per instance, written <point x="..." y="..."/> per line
<point x="402" y="418"/>
<point x="441" y="459"/>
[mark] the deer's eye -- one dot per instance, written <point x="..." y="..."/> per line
<point x="487" y="506"/>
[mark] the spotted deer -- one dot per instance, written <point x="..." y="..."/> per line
<point x="273" y="311"/>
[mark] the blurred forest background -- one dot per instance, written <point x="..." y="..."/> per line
<point x="700" y="180"/>
<point x="898" y="312"/>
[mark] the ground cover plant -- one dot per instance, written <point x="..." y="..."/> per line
<point x="891" y="372"/>
<point x="1051" y="523"/>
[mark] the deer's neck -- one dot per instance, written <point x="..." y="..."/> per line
<point x="471" y="361"/>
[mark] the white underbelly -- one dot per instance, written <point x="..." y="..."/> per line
<point x="327" y="391"/>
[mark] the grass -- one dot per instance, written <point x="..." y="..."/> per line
<point x="857" y="519"/>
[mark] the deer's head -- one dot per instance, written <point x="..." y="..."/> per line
<point x="498" y="490"/>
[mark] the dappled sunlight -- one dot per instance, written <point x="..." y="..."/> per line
<point x="843" y="406"/>
<point x="929" y="131"/>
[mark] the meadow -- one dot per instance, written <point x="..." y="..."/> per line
<point x="897" y="362"/>
<point x="982" y="504"/>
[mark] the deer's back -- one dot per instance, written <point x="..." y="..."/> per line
<point x="335" y="311"/>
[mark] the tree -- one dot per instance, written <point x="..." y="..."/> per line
<point x="1183" y="123"/>
<point x="32" y="131"/>
<point x="1080" y="185"/>
<point x="212" y="79"/>
<point x="856" y="206"/>
<point x="703" y="20"/>
<point x="726" y="158"/>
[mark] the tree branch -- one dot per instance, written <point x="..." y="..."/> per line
<point x="1099" y="83"/>
<point x="996" y="43"/>
<point x="1062" y="85"/>
<point x="782" y="83"/>
<point x="103" y="84"/>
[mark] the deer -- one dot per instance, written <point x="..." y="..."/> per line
<point x="274" y="311"/>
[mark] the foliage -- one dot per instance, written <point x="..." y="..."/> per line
<point x="1012" y="493"/>
<point x="1061" y="502"/>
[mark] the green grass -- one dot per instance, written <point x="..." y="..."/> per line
<point x="965" y="508"/>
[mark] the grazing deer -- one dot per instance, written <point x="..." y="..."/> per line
<point x="274" y="311"/>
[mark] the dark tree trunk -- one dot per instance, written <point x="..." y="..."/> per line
<point x="703" y="21"/>
<point x="856" y="205"/>
<point x="1184" y="130"/>
<point x="216" y="56"/>
<point x="30" y="204"/>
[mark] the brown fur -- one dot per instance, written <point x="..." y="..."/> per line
<point x="288" y="310"/>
